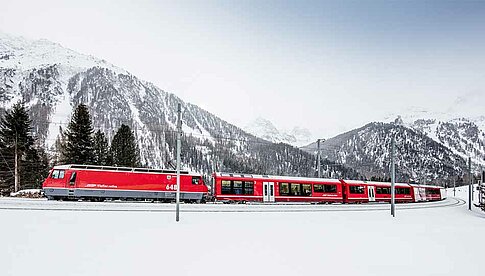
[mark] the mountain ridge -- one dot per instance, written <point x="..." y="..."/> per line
<point x="52" y="86"/>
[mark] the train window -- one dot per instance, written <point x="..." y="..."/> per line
<point x="226" y="187"/>
<point x="295" y="189"/>
<point x="284" y="189"/>
<point x="325" y="188"/>
<point x="432" y="191"/>
<point x="195" y="180"/>
<point x="307" y="189"/>
<point x="330" y="188"/>
<point x="403" y="191"/>
<point x="356" y="189"/>
<point x="383" y="190"/>
<point x="237" y="187"/>
<point x="248" y="187"/>
<point x="55" y="174"/>
<point x="318" y="188"/>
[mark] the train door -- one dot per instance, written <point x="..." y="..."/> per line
<point x="71" y="183"/>
<point x="372" y="193"/>
<point x="268" y="191"/>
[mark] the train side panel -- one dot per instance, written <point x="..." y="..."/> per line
<point x="78" y="183"/>
<point x="234" y="188"/>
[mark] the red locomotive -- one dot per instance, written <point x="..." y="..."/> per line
<point x="231" y="187"/>
<point x="100" y="182"/>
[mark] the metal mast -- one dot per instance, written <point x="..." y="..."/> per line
<point x="318" y="157"/>
<point x="393" y="178"/>
<point x="179" y="134"/>
<point x="470" y="183"/>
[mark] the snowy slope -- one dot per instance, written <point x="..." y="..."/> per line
<point x="418" y="157"/>
<point x="460" y="126"/>
<point x="52" y="80"/>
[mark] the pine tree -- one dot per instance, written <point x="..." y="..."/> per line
<point x="18" y="155"/>
<point x="36" y="170"/>
<point x="78" y="147"/>
<point x="58" y="147"/>
<point x="124" y="150"/>
<point x="101" y="148"/>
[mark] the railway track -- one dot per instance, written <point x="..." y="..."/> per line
<point x="44" y="205"/>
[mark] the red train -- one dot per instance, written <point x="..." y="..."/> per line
<point x="101" y="182"/>
<point x="239" y="187"/>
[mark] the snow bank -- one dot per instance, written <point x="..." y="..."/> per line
<point x="30" y="193"/>
<point x="430" y="241"/>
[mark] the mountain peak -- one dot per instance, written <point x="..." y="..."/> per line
<point x="265" y="129"/>
<point x="17" y="52"/>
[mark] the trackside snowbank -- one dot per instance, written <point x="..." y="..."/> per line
<point x="433" y="241"/>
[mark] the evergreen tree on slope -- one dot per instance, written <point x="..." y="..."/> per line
<point x="16" y="139"/>
<point x="101" y="148"/>
<point x="124" y="150"/>
<point x="79" y="146"/>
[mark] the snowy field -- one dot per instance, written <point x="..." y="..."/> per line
<point x="40" y="237"/>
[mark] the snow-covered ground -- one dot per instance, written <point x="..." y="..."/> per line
<point x="80" y="238"/>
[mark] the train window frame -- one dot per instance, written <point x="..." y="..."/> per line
<point x="403" y="191"/>
<point x="330" y="189"/>
<point x="195" y="180"/>
<point x="55" y="174"/>
<point x="432" y="191"/>
<point x="239" y="189"/>
<point x="357" y="189"/>
<point x="248" y="187"/>
<point x="287" y="188"/>
<point x="304" y="191"/>
<point x="58" y="174"/>
<point x="223" y="184"/>
<point x="383" y="190"/>
<point x="318" y="188"/>
<point x="325" y="188"/>
<point x="298" y="190"/>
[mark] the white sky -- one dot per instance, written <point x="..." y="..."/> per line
<point x="327" y="66"/>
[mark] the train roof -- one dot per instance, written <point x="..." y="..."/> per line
<point x="120" y="169"/>
<point x="389" y="184"/>
<point x="375" y="183"/>
<point x="275" y="177"/>
<point x="426" y="186"/>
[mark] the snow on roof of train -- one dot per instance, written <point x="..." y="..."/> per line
<point x="276" y="177"/>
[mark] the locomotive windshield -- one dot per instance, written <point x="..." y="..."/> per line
<point x="57" y="174"/>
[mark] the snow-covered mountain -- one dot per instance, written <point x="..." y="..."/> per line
<point x="418" y="157"/>
<point x="460" y="126"/>
<point x="264" y="129"/>
<point x="52" y="80"/>
<point x="462" y="136"/>
<point x="431" y="145"/>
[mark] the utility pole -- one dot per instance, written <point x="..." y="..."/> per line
<point x="393" y="178"/>
<point x="179" y="137"/>
<point x="16" y="169"/>
<point x="470" y="183"/>
<point x="454" y="180"/>
<point x="318" y="157"/>
<point x="480" y="186"/>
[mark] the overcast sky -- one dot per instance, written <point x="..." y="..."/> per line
<point x="325" y="65"/>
